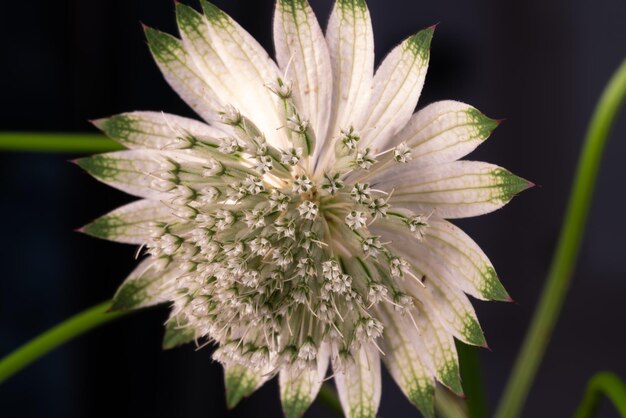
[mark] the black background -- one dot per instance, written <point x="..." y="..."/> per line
<point x="540" y="64"/>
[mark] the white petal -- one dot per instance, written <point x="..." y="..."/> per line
<point x="299" y="387"/>
<point x="132" y="223"/>
<point x="439" y="343"/>
<point x="439" y="289"/>
<point x="407" y="361"/>
<point x="181" y="73"/>
<point x="453" y="309"/>
<point x="302" y="55"/>
<point x="177" y="332"/>
<point x="194" y="30"/>
<point x="135" y="171"/>
<point x="152" y="282"/>
<point x="443" y="132"/>
<point x="397" y="87"/>
<point x="460" y="189"/>
<point x="241" y="382"/>
<point x="447" y="254"/>
<point x="472" y="270"/>
<point x="128" y="171"/>
<point x="252" y="69"/>
<point x="351" y="45"/>
<point x="156" y="130"/>
<point x="359" y="385"/>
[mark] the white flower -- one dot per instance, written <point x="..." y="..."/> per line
<point x="304" y="221"/>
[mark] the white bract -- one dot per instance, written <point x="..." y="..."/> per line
<point x="303" y="223"/>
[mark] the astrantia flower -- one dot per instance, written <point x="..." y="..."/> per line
<point x="304" y="221"/>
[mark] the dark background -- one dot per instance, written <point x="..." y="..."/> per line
<point x="540" y="64"/>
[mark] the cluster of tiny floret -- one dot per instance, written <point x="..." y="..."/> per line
<point x="274" y="261"/>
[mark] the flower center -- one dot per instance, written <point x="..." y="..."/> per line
<point x="274" y="253"/>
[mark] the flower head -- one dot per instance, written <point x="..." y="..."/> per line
<point x="304" y="221"/>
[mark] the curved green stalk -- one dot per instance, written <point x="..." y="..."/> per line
<point x="56" y="142"/>
<point x="83" y="322"/>
<point x="558" y="280"/>
<point x="54" y="337"/>
<point x="603" y="383"/>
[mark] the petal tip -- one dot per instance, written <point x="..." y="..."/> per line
<point x="98" y="123"/>
<point x="433" y="27"/>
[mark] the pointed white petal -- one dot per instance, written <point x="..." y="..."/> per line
<point x="397" y="87"/>
<point x="359" y="385"/>
<point x="351" y="45"/>
<point x="448" y="303"/>
<point x="251" y="68"/>
<point x="156" y="130"/>
<point x="241" y="382"/>
<point x="407" y="361"/>
<point x="181" y="73"/>
<point x="459" y="189"/>
<point x="299" y="387"/>
<point x="302" y="55"/>
<point x="195" y="33"/>
<point x="472" y="269"/>
<point x="439" y="343"/>
<point x="132" y="223"/>
<point x="439" y="289"/>
<point x="443" y="132"/>
<point x="138" y="172"/>
<point x="128" y="171"/>
<point x="177" y="332"/>
<point x="152" y="282"/>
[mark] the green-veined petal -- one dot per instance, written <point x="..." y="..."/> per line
<point x="299" y="387"/>
<point x="406" y="360"/>
<point x="177" y="332"/>
<point x="351" y="45"/>
<point x="439" y="289"/>
<point x="251" y="67"/>
<point x="152" y="282"/>
<point x="443" y="132"/>
<point x="397" y="87"/>
<point x="359" y="383"/>
<point x="459" y="189"/>
<point x="181" y="73"/>
<point x="302" y="53"/>
<point x="241" y="382"/>
<point x="473" y="271"/>
<point x="145" y="172"/>
<point x="132" y="223"/>
<point x="440" y="345"/>
<point x="155" y="130"/>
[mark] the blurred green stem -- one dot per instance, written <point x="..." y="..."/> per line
<point x="603" y="383"/>
<point x="472" y="380"/>
<point x="56" y="142"/>
<point x="54" y="337"/>
<point x="557" y="283"/>
<point x="83" y="322"/>
<point x="328" y="398"/>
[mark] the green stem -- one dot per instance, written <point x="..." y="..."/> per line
<point x="560" y="273"/>
<point x="54" y="337"/>
<point x="56" y="142"/>
<point x="472" y="381"/>
<point x="603" y="383"/>
<point x="83" y="322"/>
<point x="328" y="398"/>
